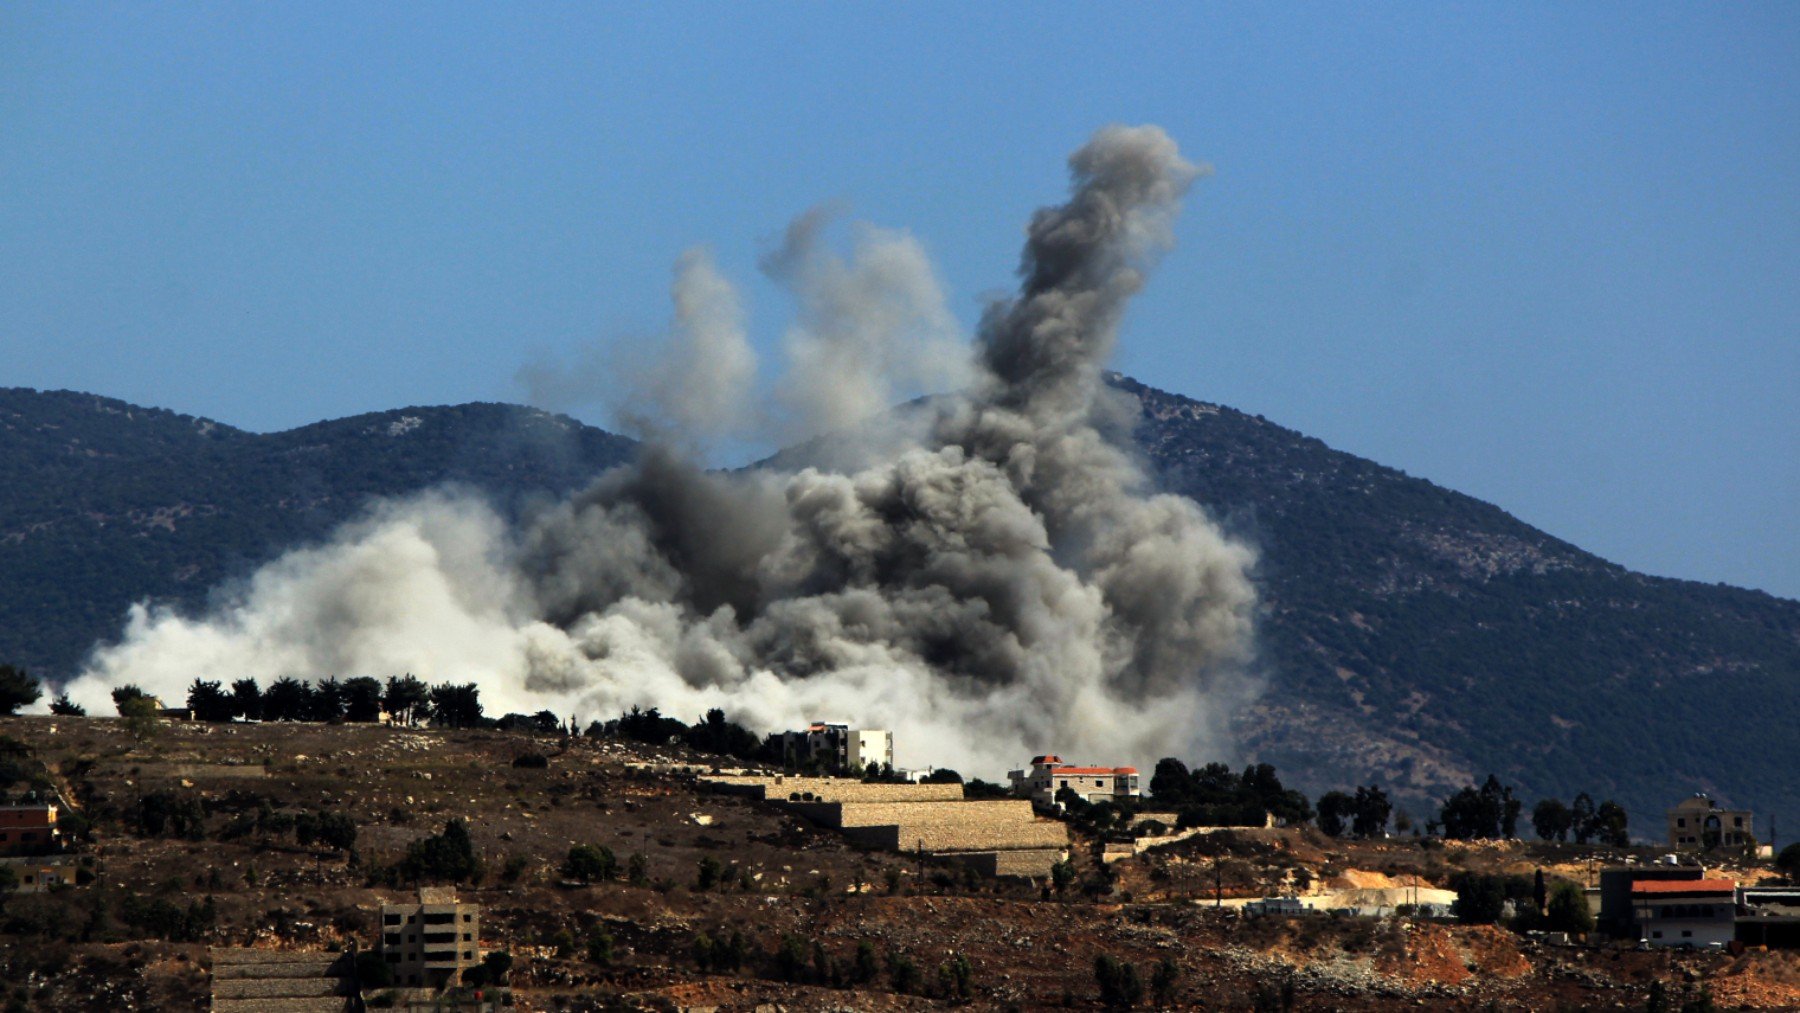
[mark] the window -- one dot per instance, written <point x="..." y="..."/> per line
<point x="1065" y="783"/>
<point x="1685" y="933"/>
<point x="1737" y="821"/>
<point x="1657" y="934"/>
<point x="391" y="919"/>
<point x="1681" y="821"/>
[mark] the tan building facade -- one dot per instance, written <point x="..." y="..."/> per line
<point x="1698" y="823"/>
<point x="1048" y="775"/>
<point x="430" y="944"/>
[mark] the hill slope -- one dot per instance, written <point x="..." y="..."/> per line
<point x="103" y="503"/>
<point x="1412" y="634"/>
<point x="1424" y="637"/>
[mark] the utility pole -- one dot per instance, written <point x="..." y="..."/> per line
<point x="1218" y="883"/>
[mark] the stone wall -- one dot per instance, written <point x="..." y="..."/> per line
<point x="778" y="788"/>
<point x="281" y="981"/>
<point x="948" y="830"/>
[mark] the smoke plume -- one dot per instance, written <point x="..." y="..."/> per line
<point x="1006" y="583"/>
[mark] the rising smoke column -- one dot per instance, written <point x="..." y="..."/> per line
<point x="1007" y="584"/>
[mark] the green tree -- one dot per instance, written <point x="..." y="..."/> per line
<point x="287" y="699"/>
<point x="1370" y="812"/>
<point x="456" y="705"/>
<point x="121" y="695"/>
<point x="1610" y="825"/>
<point x="590" y="862"/>
<point x="406" y="698"/>
<point x="246" y="699"/>
<point x="209" y="702"/>
<point x="1118" y="981"/>
<point x="1551" y="819"/>
<point x="599" y="947"/>
<point x="1480" y="900"/>
<point x="1163" y="982"/>
<point x="141" y="717"/>
<point x="17" y="689"/>
<point x="1062" y="874"/>
<point x="1581" y="818"/>
<point x="956" y="978"/>
<point x="1568" y="911"/>
<point x="62" y="706"/>
<point x="708" y="874"/>
<point x="864" y="966"/>
<point x="446" y="856"/>
<point x="362" y="700"/>
<point x="1334" y="809"/>
<point x="1789" y="861"/>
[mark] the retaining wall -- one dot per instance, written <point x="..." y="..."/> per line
<point x="780" y="788"/>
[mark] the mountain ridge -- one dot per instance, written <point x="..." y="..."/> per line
<point x="1412" y="635"/>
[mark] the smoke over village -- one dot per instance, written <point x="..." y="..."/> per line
<point x="990" y="574"/>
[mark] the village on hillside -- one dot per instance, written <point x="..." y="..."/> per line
<point x="406" y="852"/>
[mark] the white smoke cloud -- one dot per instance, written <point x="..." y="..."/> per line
<point x="871" y="330"/>
<point x="1007" y="584"/>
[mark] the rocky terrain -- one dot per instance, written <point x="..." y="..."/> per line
<point x="799" y="900"/>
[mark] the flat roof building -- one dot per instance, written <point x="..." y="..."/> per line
<point x="29" y="830"/>
<point x="1700" y="824"/>
<point x="430" y="944"/>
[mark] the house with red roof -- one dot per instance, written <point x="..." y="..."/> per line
<point x="1685" y="912"/>
<point x="1048" y="775"/>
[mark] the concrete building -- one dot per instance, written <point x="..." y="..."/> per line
<point x="839" y="747"/>
<point x="1685" y="912"/>
<point x="1698" y="824"/>
<point x="38" y="875"/>
<point x="29" y="830"/>
<point x="1049" y="775"/>
<point x="430" y="944"/>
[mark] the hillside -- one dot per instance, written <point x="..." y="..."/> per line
<point x="104" y="503"/>
<point x="190" y="838"/>
<point x="1413" y="635"/>
<point x="1423" y="637"/>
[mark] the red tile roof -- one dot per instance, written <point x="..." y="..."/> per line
<point x="1682" y="886"/>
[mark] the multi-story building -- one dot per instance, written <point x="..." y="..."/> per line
<point x="1698" y="824"/>
<point x="29" y="830"/>
<point x="839" y="747"/>
<point x="1685" y="912"/>
<point x="1049" y="775"/>
<point x="430" y="944"/>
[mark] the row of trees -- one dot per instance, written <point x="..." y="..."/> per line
<point x="1215" y="795"/>
<point x="1582" y="820"/>
<point x="407" y="699"/>
<point x="1364" y="814"/>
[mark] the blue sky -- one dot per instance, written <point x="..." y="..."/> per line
<point x="1548" y="255"/>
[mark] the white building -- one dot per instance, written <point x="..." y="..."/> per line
<point x="840" y="747"/>
<point x="1049" y="775"/>
<point x="1685" y="912"/>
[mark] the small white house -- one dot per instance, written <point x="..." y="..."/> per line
<point x="1685" y="912"/>
<point x="1049" y="775"/>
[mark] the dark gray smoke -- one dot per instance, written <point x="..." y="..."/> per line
<point x="1008" y="583"/>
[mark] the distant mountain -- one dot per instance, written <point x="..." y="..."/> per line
<point x="1425" y="638"/>
<point x="1412" y="635"/>
<point x="103" y="503"/>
